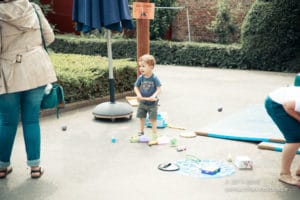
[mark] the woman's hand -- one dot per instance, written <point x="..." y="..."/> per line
<point x="289" y="107"/>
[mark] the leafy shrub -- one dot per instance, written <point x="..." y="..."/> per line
<point x="270" y="34"/>
<point x="86" y="77"/>
<point x="45" y="7"/>
<point x="162" y="20"/>
<point x="222" y="26"/>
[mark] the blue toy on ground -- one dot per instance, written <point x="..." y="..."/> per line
<point x="160" y="122"/>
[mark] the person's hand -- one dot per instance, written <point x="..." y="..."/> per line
<point x="152" y="98"/>
<point x="289" y="108"/>
<point x="147" y="98"/>
<point x="289" y="105"/>
<point x="139" y="97"/>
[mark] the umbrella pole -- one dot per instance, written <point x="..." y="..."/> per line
<point x="112" y="110"/>
<point x="110" y="67"/>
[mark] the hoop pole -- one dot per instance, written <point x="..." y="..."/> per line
<point x="143" y="37"/>
<point x="188" y="23"/>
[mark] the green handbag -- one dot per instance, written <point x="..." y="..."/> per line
<point x="55" y="98"/>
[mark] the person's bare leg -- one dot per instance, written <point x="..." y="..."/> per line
<point x="154" y="129"/>
<point x="142" y="124"/>
<point x="298" y="169"/>
<point x="154" y="126"/>
<point x="288" y="155"/>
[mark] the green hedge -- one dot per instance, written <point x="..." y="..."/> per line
<point x="86" y="77"/>
<point x="255" y="53"/>
<point x="93" y="46"/>
<point x="197" y="54"/>
<point x="166" y="52"/>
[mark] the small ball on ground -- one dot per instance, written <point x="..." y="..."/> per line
<point x="64" y="128"/>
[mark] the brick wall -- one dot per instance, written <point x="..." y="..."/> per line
<point x="201" y="14"/>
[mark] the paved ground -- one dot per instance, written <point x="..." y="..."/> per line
<point x="82" y="163"/>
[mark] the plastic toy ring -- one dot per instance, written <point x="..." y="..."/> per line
<point x="168" y="167"/>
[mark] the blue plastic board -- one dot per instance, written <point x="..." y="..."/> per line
<point x="250" y="124"/>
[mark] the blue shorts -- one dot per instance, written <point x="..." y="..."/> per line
<point x="289" y="127"/>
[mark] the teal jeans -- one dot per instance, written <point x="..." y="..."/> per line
<point x="289" y="127"/>
<point x="23" y="105"/>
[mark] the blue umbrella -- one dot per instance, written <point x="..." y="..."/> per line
<point x="95" y="14"/>
<point x="112" y="15"/>
<point x="118" y="16"/>
<point x="87" y="15"/>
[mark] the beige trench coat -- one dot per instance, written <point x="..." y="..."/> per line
<point x="24" y="63"/>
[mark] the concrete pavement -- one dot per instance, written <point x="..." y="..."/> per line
<point x="83" y="163"/>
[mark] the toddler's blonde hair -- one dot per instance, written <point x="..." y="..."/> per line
<point x="149" y="59"/>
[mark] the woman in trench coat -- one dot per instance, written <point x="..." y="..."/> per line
<point x="25" y="70"/>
